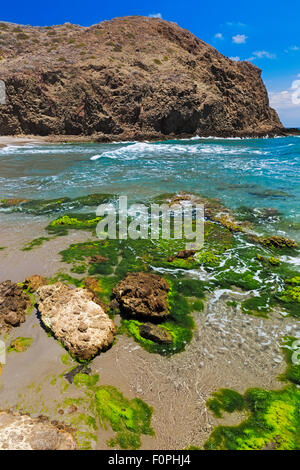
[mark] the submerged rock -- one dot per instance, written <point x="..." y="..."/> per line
<point x="143" y="295"/>
<point x="275" y="241"/>
<point x="75" y="319"/>
<point x="155" y="333"/>
<point x="98" y="259"/>
<point x="69" y="376"/>
<point x="21" y="432"/>
<point x="184" y="254"/>
<point x="13" y="304"/>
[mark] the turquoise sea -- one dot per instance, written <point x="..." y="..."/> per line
<point x="253" y="173"/>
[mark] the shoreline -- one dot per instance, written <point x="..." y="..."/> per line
<point x="24" y="139"/>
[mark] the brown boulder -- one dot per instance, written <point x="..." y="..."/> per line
<point x="143" y="295"/>
<point x="75" y="319"/>
<point x="13" y="305"/>
<point x="155" y="333"/>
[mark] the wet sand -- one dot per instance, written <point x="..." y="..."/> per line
<point x="16" y="232"/>
<point x="20" y="140"/>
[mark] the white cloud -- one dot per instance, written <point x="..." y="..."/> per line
<point x="287" y="99"/>
<point x="236" y="58"/>
<point x="155" y="15"/>
<point x="263" y="55"/>
<point x="287" y="103"/>
<point x="232" y="23"/>
<point x="239" y="39"/>
<point x="219" y="36"/>
<point x="292" y="49"/>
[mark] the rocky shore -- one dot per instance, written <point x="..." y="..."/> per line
<point x="100" y="354"/>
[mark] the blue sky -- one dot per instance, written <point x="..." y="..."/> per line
<point x="265" y="32"/>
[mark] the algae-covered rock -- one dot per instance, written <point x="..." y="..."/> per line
<point x="13" y="305"/>
<point x="183" y="254"/>
<point x="143" y="295"/>
<point x="275" y="241"/>
<point x="155" y="333"/>
<point x="32" y="283"/>
<point x="75" y="319"/>
<point x="21" y="432"/>
<point x="20" y="344"/>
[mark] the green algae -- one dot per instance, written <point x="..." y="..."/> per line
<point x="248" y="269"/>
<point x="273" y="420"/>
<point x="81" y="379"/>
<point x="66" y="359"/>
<point x="274" y="261"/>
<point x="46" y="206"/>
<point x="232" y="303"/>
<point x="225" y="400"/>
<point x="79" y="268"/>
<point x="35" y="243"/>
<point x="226" y="255"/>
<point x="275" y="242"/>
<point x="259" y="305"/>
<point x="20" y="344"/>
<point x="290" y="296"/>
<point x="198" y="306"/>
<point x="129" y="419"/>
<point x="291" y="349"/>
<point x="179" y="323"/>
<point x="62" y="277"/>
<point x="63" y="224"/>
<point x="106" y="407"/>
<point x="181" y="336"/>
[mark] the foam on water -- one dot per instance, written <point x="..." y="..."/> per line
<point x="255" y="173"/>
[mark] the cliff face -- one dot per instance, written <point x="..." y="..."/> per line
<point x="128" y="78"/>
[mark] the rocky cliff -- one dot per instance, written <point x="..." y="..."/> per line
<point x="128" y="78"/>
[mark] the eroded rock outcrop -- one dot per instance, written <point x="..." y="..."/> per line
<point x="21" y="432"/>
<point x="129" y="78"/>
<point x="13" y="305"/>
<point x="143" y="295"/>
<point x="75" y="319"/>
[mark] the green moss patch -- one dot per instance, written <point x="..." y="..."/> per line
<point x="20" y="344"/>
<point x="273" y="421"/>
<point x="290" y="296"/>
<point x="106" y="407"/>
<point x="225" y="400"/>
<point x="35" y="243"/>
<point x="63" y="224"/>
<point x="291" y="348"/>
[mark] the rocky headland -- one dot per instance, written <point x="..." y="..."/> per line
<point x="130" y="78"/>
